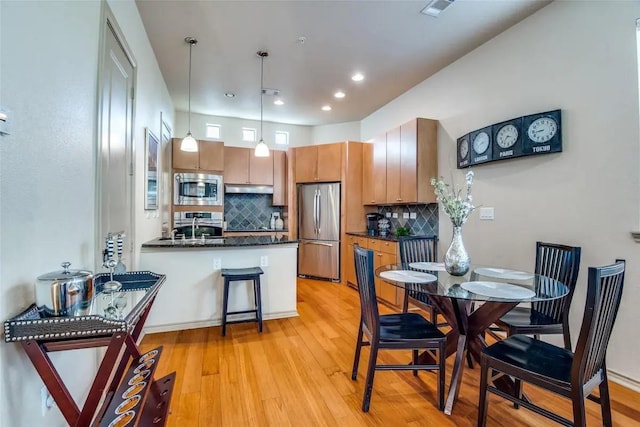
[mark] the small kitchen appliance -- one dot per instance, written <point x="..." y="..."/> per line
<point x="372" y="223"/>
<point x="197" y="189"/>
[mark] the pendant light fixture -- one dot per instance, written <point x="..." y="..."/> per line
<point x="262" y="149"/>
<point x="189" y="143"/>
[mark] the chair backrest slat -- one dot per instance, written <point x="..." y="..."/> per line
<point x="562" y="263"/>
<point x="418" y="249"/>
<point x="367" y="290"/>
<point x="604" y="293"/>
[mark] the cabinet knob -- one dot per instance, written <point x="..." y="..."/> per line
<point x="379" y="254"/>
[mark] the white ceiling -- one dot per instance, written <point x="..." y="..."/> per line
<point x="390" y="42"/>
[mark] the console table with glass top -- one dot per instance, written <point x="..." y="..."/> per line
<point x="120" y="395"/>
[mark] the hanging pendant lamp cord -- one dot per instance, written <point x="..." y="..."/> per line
<point x="190" y="49"/>
<point x="261" y="91"/>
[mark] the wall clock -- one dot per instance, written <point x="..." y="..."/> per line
<point x="481" y="145"/>
<point x="463" y="152"/>
<point x="542" y="133"/>
<point x="507" y="139"/>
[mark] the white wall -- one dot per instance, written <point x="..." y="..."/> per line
<point x="348" y="131"/>
<point x="580" y="57"/>
<point x="48" y="79"/>
<point x="231" y="131"/>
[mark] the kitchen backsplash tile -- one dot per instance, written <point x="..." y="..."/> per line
<point x="425" y="223"/>
<point x="248" y="211"/>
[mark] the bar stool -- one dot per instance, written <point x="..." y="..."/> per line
<point x="242" y="274"/>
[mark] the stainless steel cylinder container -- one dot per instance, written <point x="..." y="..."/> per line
<point x="66" y="292"/>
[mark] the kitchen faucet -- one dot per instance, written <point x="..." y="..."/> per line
<point x="194" y="227"/>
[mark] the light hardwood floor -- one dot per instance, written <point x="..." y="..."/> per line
<point x="298" y="373"/>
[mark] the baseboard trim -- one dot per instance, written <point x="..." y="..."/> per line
<point x="623" y="380"/>
<point x="209" y="323"/>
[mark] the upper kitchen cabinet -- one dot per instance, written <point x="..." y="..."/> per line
<point x="399" y="167"/>
<point x="374" y="172"/>
<point x="242" y="167"/>
<point x="279" y="177"/>
<point x="319" y="163"/>
<point x="209" y="157"/>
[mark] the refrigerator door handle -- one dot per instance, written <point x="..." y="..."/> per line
<point x="319" y="211"/>
<point x="318" y="243"/>
<point x="315" y="211"/>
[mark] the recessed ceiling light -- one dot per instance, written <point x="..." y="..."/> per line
<point x="278" y="102"/>
<point x="229" y="94"/>
<point x="357" y="77"/>
<point x="339" y="94"/>
<point x="326" y="108"/>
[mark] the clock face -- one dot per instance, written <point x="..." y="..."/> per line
<point x="507" y="136"/>
<point x="481" y="142"/>
<point x="464" y="148"/>
<point x="542" y="130"/>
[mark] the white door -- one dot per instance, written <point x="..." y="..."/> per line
<point x="115" y="158"/>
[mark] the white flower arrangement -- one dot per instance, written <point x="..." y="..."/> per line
<point x="457" y="208"/>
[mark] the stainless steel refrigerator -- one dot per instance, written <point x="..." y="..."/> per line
<point x="319" y="230"/>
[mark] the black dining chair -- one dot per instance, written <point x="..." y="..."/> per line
<point x="572" y="375"/>
<point x="559" y="262"/>
<point x="419" y="249"/>
<point x="401" y="331"/>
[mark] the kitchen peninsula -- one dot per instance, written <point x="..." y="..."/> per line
<point x="192" y="294"/>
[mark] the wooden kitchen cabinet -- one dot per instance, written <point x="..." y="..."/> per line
<point x="384" y="252"/>
<point x="399" y="167"/>
<point x="279" y="178"/>
<point x="319" y="163"/>
<point x="393" y="166"/>
<point x="209" y="157"/>
<point x="241" y="166"/>
<point x="418" y="162"/>
<point x="379" y="179"/>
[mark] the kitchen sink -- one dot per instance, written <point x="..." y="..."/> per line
<point x="196" y="241"/>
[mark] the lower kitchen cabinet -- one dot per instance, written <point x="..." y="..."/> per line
<point x="384" y="252"/>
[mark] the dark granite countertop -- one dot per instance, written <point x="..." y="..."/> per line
<point x="389" y="238"/>
<point x="221" y="242"/>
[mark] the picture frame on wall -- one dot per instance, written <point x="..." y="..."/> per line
<point x="151" y="171"/>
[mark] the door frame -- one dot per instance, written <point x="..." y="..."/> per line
<point x="108" y="23"/>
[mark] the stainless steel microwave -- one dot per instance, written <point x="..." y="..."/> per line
<point x="197" y="189"/>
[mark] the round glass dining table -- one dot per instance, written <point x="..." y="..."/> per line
<point x="470" y="304"/>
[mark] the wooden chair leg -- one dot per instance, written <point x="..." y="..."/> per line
<point x="415" y="362"/>
<point x="258" y="303"/>
<point x="442" y="357"/>
<point x="356" y="359"/>
<point x="605" y="403"/>
<point x="579" y="417"/>
<point x="482" y="404"/>
<point x="225" y="301"/>
<point x="518" y="386"/>
<point x="405" y="303"/>
<point x="371" y="371"/>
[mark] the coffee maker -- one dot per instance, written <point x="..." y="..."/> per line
<point x="372" y="223"/>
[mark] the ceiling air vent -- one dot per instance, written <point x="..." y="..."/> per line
<point x="270" y="92"/>
<point x="435" y="7"/>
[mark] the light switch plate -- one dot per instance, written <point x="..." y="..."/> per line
<point x="395" y="214"/>
<point x="405" y="215"/>
<point x="388" y="214"/>
<point x="487" y="214"/>
<point x="413" y="215"/>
